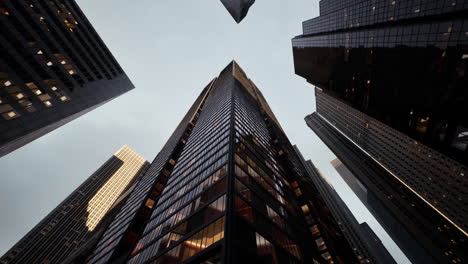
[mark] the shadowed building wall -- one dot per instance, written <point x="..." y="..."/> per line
<point x="364" y="247"/>
<point x="54" y="67"/>
<point x="422" y="234"/>
<point x="392" y="78"/>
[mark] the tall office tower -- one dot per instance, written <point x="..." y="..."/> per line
<point x="366" y="248"/>
<point x="54" y="67"/>
<point x="392" y="77"/>
<point x="401" y="72"/>
<point x="238" y="8"/>
<point x="224" y="189"/>
<point x="83" y="213"/>
<point x="422" y="233"/>
<point x="375" y="244"/>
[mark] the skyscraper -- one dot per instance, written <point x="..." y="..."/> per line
<point x="400" y="70"/>
<point x="392" y="78"/>
<point x="423" y="234"/>
<point x="54" y="67"/>
<point x="83" y="213"/>
<point x="375" y="245"/>
<point x="238" y="8"/>
<point x="366" y="248"/>
<point x="226" y="187"/>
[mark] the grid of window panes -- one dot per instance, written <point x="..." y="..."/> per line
<point x="118" y="229"/>
<point x="69" y="226"/>
<point x="262" y="197"/>
<point x="406" y="158"/>
<point x="338" y="15"/>
<point x="441" y="34"/>
<point x="346" y="221"/>
<point x="53" y="64"/>
<point x="189" y="213"/>
<point x="440" y="238"/>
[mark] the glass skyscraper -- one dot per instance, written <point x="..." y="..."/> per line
<point x="227" y="187"/>
<point x="82" y="214"/>
<point x="54" y="67"/>
<point x="367" y="250"/>
<point x="392" y="78"/>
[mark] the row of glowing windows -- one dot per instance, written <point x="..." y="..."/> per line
<point x="70" y="24"/>
<point x="69" y="68"/>
<point x="8" y="112"/>
<point x="315" y="231"/>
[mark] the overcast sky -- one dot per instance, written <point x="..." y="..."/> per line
<point x="170" y="50"/>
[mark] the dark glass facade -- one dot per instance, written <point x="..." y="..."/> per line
<point x="375" y="245"/>
<point x="82" y="214"/>
<point x="424" y="235"/>
<point x="226" y="188"/>
<point x="391" y="77"/>
<point x="363" y="246"/>
<point x="400" y="70"/>
<point x="54" y="67"/>
<point x="238" y="8"/>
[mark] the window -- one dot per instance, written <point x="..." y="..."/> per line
<point x="298" y="192"/>
<point x="320" y="244"/>
<point x="315" y="230"/>
<point x="48" y="103"/>
<point x="149" y="203"/>
<point x="265" y="249"/>
<point x="195" y="244"/>
<point x="305" y="209"/>
<point x="4" y="11"/>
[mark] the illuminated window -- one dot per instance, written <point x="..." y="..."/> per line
<point x="195" y="244"/>
<point x="326" y="256"/>
<point x="39" y="52"/>
<point x="422" y="124"/>
<point x="298" y="192"/>
<point x="265" y="249"/>
<point x="37" y="92"/>
<point x="32" y="85"/>
<point x="320" y="244"/>
<point x="49" y="63"/>
<point x="48" y="103"/>
<point x="7" y="83"/>
<point x="53" y="88"/>
<point x="4" y="11"/>
<point x="64" y="98"/>
<point x="315" y="230"/>
<point x="305" y="209"/>
<point x="149" y="203"/>
<point x="20" y="95"/>
<point x="10" y="115"/>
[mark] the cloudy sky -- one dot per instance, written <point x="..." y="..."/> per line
<point x="170" y="50"/>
